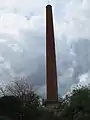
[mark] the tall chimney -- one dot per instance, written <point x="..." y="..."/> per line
<point x="51" y="72"/>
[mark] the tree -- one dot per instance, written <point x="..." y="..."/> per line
<point x="25" y="92"/>
<point x="10" y="106"/>
<point x="19" y="100"/>
<point x="76" y="106"/>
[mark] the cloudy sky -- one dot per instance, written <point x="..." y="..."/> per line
<point x="22" y="41"/>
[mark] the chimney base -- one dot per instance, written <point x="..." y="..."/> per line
<point x="51" y="106"/>
<point x="51" y="103"/>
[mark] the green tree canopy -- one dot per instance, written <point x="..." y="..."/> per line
<point x="76" y="105"/>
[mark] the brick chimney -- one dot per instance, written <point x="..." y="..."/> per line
<point x="51" y="71"/>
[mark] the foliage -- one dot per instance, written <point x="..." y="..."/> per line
<point x="76" y="106"/>
<point x="19" y="100"/>
<point x="24" y="92"/>
<point x="23" y="102"/>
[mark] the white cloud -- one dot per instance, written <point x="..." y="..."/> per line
<point x="75" y="23"/>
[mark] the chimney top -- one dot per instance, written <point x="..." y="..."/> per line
<point x="48" y="6"/>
